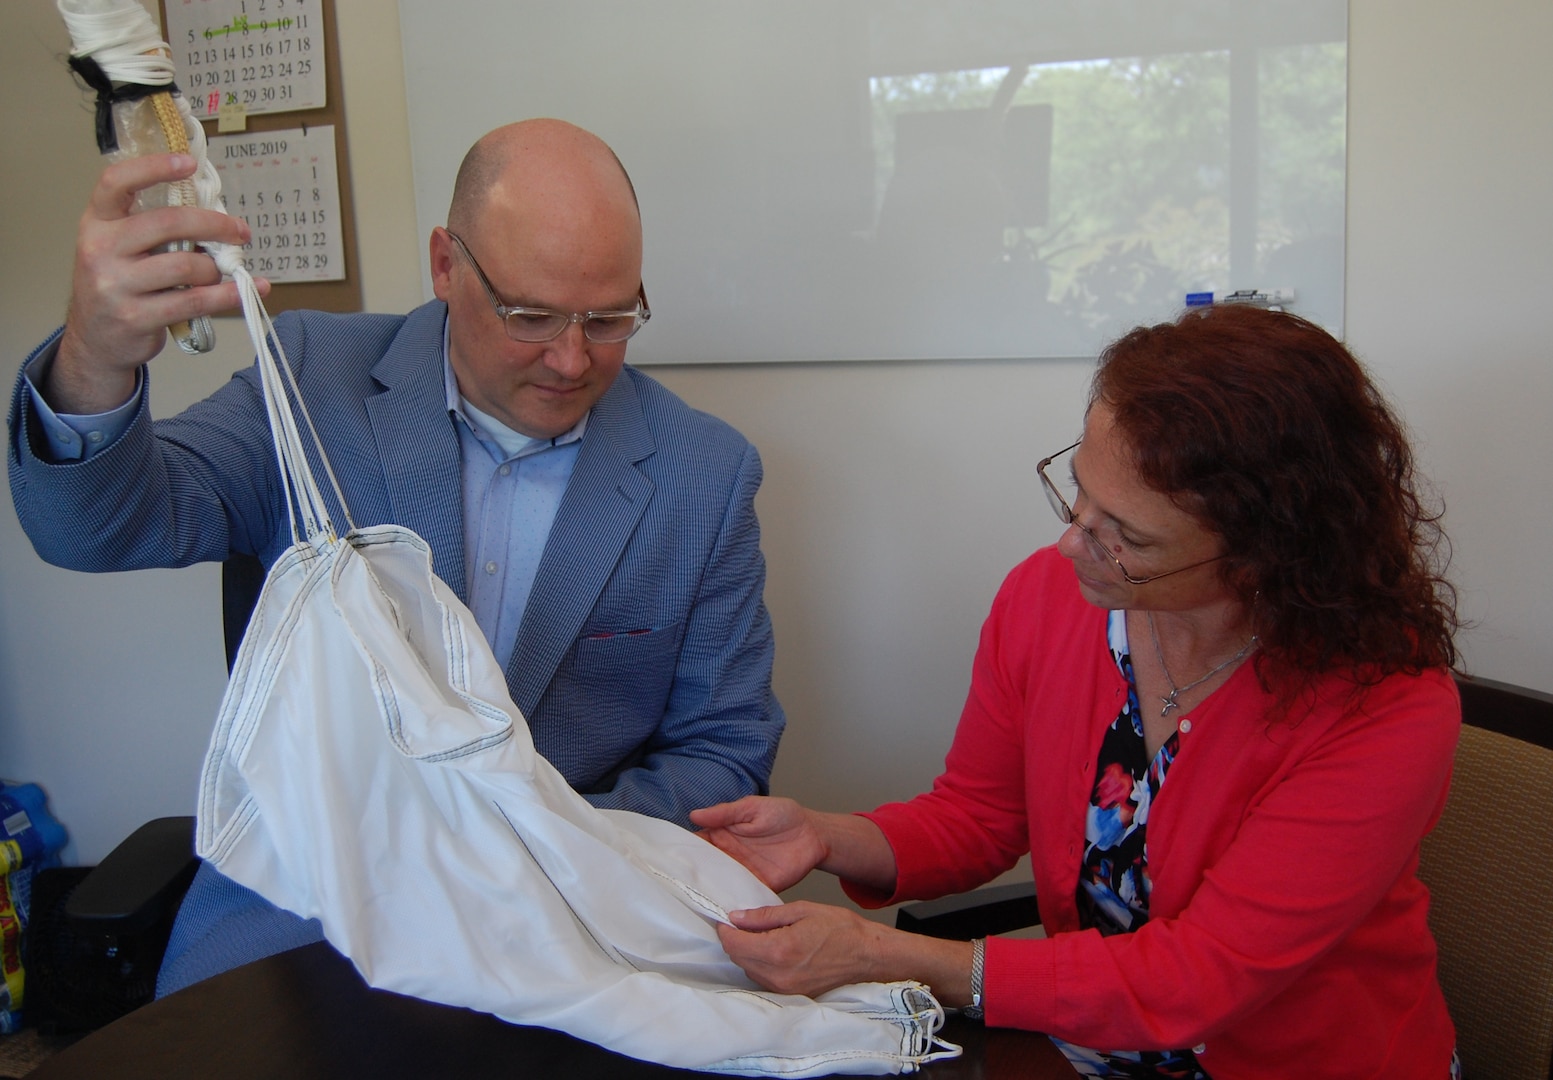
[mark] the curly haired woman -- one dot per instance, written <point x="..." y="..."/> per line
<point x="1219" y="716"/>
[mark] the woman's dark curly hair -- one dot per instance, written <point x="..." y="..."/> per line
<point x="1265" y="428"/>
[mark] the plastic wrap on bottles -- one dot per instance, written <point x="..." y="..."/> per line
<point x="30" y="840"/>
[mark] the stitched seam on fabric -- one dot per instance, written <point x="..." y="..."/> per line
<point x="263" y="685"/>
<point x="388" y="706"/>
<point x="756" y="994"/>
<point x="796" y="1063"/>
<point x="607" y="950"/>
<point x="242" y="818"/>
<point x="459" y="680"/>
<point x="699" y="899"/>
<point x="388" y="699"/>
<point x="236" y="728"/>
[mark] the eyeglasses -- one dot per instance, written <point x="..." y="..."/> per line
<point x="535" y="325"/>
<point x="1064" y="513"/>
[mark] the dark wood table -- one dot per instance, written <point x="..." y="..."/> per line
<point x="307" y="1013"/>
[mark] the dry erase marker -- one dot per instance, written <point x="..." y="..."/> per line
<point x="1241" y="296"/>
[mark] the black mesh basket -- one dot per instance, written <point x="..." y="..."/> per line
<point x="77" y="982"/>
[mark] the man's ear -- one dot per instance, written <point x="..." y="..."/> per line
<point x="443" y="256"/>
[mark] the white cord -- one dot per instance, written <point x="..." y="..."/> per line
<point x="120" y="36"/>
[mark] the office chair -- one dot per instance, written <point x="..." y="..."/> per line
<point x="242" y="579"/>
<point x="97" y="934"/>
<point x="996" y="909"/>
<point x="1489" y="869"/>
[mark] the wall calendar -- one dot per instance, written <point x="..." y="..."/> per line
<point x="285" y="185"/>
<point x="260" y="56"/>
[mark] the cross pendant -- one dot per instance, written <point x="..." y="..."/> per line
<point x="1167" y="704"/>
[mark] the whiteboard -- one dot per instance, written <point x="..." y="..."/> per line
<point x="920" y="179"/>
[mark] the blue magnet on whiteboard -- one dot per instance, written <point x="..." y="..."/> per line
<point x="1265" y="297"/>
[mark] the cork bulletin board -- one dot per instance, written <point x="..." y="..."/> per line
<point x="263" y="78"/>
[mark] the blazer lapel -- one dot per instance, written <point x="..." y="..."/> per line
<point x="417" y="444"/>
<point x="604" y="500"/>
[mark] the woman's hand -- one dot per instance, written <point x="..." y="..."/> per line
<point x="775" y="839"/>
<point x="802" y="948"/>
<point x="807" y="948"/>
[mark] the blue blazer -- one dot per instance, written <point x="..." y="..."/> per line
<point x="643" y="663"/>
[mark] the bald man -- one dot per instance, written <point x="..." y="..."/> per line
<point x="602" y="532"/>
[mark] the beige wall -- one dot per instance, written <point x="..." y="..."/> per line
<point x="897" y="495"/>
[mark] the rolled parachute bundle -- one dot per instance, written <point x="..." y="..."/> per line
<point x="118" y="52"/>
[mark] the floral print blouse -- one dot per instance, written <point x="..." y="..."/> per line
<point x="1113" y="891"/>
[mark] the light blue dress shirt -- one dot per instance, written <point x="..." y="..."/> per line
<point x="73" y="437"/>
<point x="512" y="488"/>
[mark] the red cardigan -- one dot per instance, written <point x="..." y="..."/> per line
<point x="1287" y="934"/>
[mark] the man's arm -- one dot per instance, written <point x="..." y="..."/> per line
<point x="118" y="510"/>
<point x="191" y="489"/>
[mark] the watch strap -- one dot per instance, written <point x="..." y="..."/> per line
<point x="974" y="1010"/>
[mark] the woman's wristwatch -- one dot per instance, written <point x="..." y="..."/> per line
<point x="978" y="968"/>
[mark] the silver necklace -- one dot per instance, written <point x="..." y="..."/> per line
<point x="1169" y="702"/>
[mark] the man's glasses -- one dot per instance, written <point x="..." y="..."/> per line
<point x="535" y="325"/>
<point x="1064" y="512"/>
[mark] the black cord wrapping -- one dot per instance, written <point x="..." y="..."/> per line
<point x="108" y="95"/>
